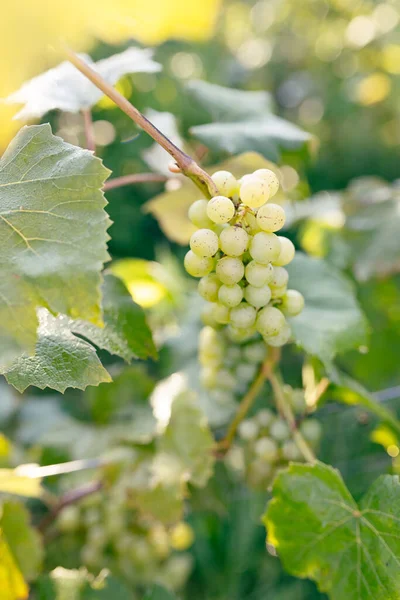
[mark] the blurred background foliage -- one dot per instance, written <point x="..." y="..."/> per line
<point x="331" y="67"/>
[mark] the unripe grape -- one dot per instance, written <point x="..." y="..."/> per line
<point x="243" y="316"/>
<point x="260" y="472"/>
<point x="270" y="321"/>
<point x="220" y="209"/>
<point x="248" y="430"/>
<point x="210" y="343"/>
<point x="208" y="287"/>
<point x="225" y="380"/>
<point x="280" y="430"/>
<point x="271" y="179"/>
<point x="198" y="214"/>
<point x="204" y="243"/>
<point x="258" y="275"/>
<point x="223" y="397"/>
<point x="271" y="217"/>
<point x="257" y="296"/>
<point x="230" y="270"/>
<point x="207" y="315"/>
<point x="286" y="253"/>
<point x="290" y="451"/>
<point x="280" y="278"/>
<point x="234" y="241"/>
<point x="226" y="183"/>
<point x="254" y="192"/>
<point x="245" y="372"/>
<point x="181" y="536"/>
<point x="265" y="417"/>
<point x="97" y="536"/>
<point x="238" y="334"/>
<point x="230" y="295"/>
<point x="280" y="339"/>
<point x="233" y="354"/>
<point x="68" y="519"/>
<point x="255" y="352"/>
<point x="208" y="377"/>
<point x="311" y="430"/>
<point x="221" y="313"/>
<point x="278" y="292"/>
<point x="266" y="448"/>
<point x="265" y="247"/>
<point x="197" y="266"/>
<point x="292" y="303"/>
<point x="298" y="401"/>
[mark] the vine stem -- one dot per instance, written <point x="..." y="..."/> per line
<point x="89" y="131"/>
<point x="187" y="165"/>
<point x="117" y="182"/>
<point x="285" y="409"/>
<point x="247" y="401"/>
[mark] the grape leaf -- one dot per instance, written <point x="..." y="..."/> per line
<point x="158" y="593"/>
<point x="12" y="583"/>
<point x="352" y="551"/>
<point x="332" y="321"/>
<point x="14" y="482"/>
<point x="243" y="121"/>
<point x="65" y="88"/>
<point x="53" y="234"/>
<point x="23" y="540"/>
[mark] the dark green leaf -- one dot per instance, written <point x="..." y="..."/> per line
<point x="158" y="593"/>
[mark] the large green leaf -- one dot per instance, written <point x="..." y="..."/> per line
<point x="158" y="593"/>
<point x="23" y="540"/>
<point x="331" y="321"/>
<point x="53" y="234"/>
<point x="243" y="121"/>
<point x="352" y="551"/>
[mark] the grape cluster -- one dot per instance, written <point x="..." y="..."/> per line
<point x="265" y="443"/>
<point x="113" y="535"/>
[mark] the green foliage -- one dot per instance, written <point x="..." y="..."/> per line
<point x="351" y="550"/>
<point x="158" y="593"/>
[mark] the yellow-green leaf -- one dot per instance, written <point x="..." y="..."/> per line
<point x="12" y="583"/>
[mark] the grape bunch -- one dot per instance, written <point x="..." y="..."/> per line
<point x="241" y="261"/>
<point x="265" y="442"/>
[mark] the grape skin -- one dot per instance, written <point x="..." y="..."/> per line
<point x="198" y="214"/>
<point x="271" y="179"/>
<point x="226" y="183"/>
<point x="286" y="254"/>
<point x="257" y="296"/>
<point x="208" y="287"/>
<point x="258" y="275"/>
<point x="270" y="321"/>
<point x="197" y="266"/>
<point x="220" y="209"/>
<point x="292" y="303"/>
<point x="230" y="295"/>
<point x="265" y="248"/>
<point x="280" y="278"/>
<point x="204" y="243"/>
<point x="254" y="192"/>
<point x="280" y="339"/>
<point x="230" y="270"/>
<point x="234" y="241"/>
<point x="270" y="217"/>
<point x="243" y="316"/>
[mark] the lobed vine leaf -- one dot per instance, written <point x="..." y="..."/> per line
<point x="53" y="234"/>
<point x="332" y="321"/>
<point x="65" y="88"/>
<point x="351" y="550"/>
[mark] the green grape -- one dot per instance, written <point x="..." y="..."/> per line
<point x="281" y="338"/>
<point x="255" y="352"/>
<point x="114" y="524"/>
<point x="270" y="321"/>
<point x="238" y="334"/>
<point x="265" y="247"/>
<point x="258" y="275"/>
<point x="280" y="430"/>
<point x="198" y="214"/>
<point x="271" y="179"/>
<point x="207" y="315"/>
<point x="233" y="354"/>
<point x="234" y="241"/>
<point x="290" y="451"/>
<point x="208" y="287"/>
<point x="196" y="266"/>
<point x="280" y="278"/>
<point x="292" y="303"/>
<point x="251" y="221"/>
<point x="248" y="430"/>
<point x="254" y="192"/>
<point x="257" y="296"/>
<point x="245" y="372"/>
<point x="230" y="270"/>
<point x="230" y="295"/>
<point x="210" y="343"/>
<point x="243" y="316"/>
<point x="266" y="448"/>
<point x="311" y="430"/>
<point x="91" y="516"/>
<point x="97" y="536"/>
<point x="278" y="292"/>
<point x="221" y="313"/>
<point x="220" y="209"/>
<point x="298" y="401"/>
<point x="90" y="556"/>
<point x="69" y="518"/>
<point x="265" y="417"/>
<point x="260" y="472"/>
<point x="181" y="536"/>
<point x="208" y="377"/>
<point x="226" y="183"/>
<point x="222" y="397"/>
<point x="271" y="217"/>
<point x="204" y="243"/>
<point x="286" y="253"/>
<point x="225" y="380"/>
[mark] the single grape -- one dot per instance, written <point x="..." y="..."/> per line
<point x="230" y="270"/>
<point x="220" y="209"/>
<point x="266" y="448"/>
<point x="238" y="334"/>
<point x="270" y="321"/>
<point x="278" y="292"/>
<point x="226" y="183"/>
<point x="204" y="243"/>
<point x="208" y="287"/>
<point x="198" y="214"/>
<point x="197" y="266"/>
<point x="245" y="372"/>
<point x="97" y="536"/>
<point x="257" y="296"/>
<point x="181" y="536"/>
<point x="280" y="278"/>
<point x="270" y="217"/>
<point x="258" y="275"/>
<point x="271" y="179"/>
<point x="298" y="401"/>
<point x="233" y="355"/>
<point x="280" y="339"/>
<point x="207" y="315"/>
<point x="265" y="417"/>
<point x="312" y="430"/>
<point x="254" y="192"/>
<point x="91" y="556"/>
<point x="230" y="295"/>
<point x="260" y="472"/>
<point x="255" y="352"/>
<point x="69" y="518"/>
<point x="280" y="430"/>
<point x="290" y="451"/>
<point x="211" y="344"/>
<point x="221" y="313"/>
<point x="265" y="247"/>
<point x="225" y="380"/>
<point x="248" y="430"/>
<point x="234" y="241"/>
<point x="292" y="303"/>
<point x="286" y="253"/>
<point x="243" y="316"/>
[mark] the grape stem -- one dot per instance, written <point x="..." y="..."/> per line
<point x="284" y="408"/>
<point x="187" y="165"/>
<point x="118" y="182"/>
<point x="247" y="401"/>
